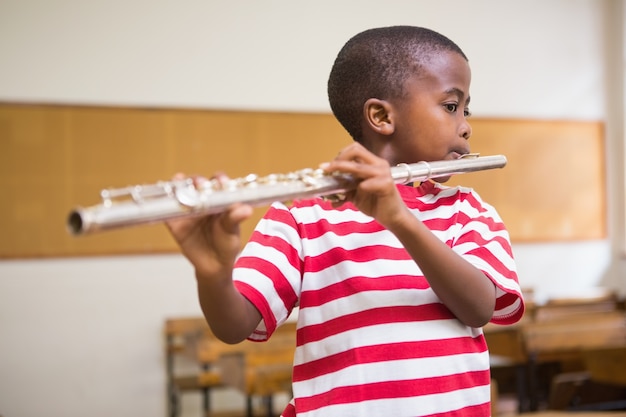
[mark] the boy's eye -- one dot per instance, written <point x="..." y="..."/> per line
<point x="451" y="107"/>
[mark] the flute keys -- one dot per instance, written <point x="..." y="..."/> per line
<point x="186" y="193"/>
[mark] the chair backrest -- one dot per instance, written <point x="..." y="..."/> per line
<point x="256" y="368"/>
<point x="607" y="365"/>
<point x="598" y="300"/>
<point x="180" y="329"/>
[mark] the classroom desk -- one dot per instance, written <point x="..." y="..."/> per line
<point x="583" y="338"/>
<point x="264" y="369"/>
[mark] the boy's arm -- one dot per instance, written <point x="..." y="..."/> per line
<point x="231" y="316"/>
<point x="211" y="243"/>
<point x="462" y="287"/>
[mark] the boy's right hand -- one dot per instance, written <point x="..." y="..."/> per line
<point x="212" y="242"/>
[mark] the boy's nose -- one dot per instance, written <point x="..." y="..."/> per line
<point x="466" y="130"/>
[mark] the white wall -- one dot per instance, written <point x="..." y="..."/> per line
<point x="82" y="336"/>
<point x="530" y="59"/>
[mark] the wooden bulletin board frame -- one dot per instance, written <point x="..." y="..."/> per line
<point x="53" y="158"/>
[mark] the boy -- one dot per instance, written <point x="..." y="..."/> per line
<point x="394" y="285"/>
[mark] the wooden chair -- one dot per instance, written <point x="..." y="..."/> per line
<point x="602" y="386"/>
<point x="607" y="365"/>
<point x="566" y="339"/>
<point x="259" y="369"/>
<point x="178" y="331"/>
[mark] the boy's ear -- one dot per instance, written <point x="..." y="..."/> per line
<point x="378" y="116"/>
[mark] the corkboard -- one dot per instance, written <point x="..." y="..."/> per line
<point x="53" y="158"/>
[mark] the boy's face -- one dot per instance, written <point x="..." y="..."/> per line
<point x="431" y="120"/>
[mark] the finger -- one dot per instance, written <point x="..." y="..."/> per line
<point x="241" y="212"/>
<point x="201" y="182"/>
<point x="219" y="180"/>
<point x="236" y="214"/>
<point x="356" y="152"/>
<point x="356" y="168"/>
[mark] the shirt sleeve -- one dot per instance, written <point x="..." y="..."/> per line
<point x="268" y="270"/>
<point x="484" y="241"/>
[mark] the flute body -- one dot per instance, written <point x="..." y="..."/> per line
<point x="143" y="204"/>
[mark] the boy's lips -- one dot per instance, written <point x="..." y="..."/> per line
<point x="458" y="154"/>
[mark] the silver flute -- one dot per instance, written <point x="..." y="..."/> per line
<point x="165" y="200"/>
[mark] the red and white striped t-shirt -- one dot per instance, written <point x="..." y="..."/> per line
<point x="373" y="339"/>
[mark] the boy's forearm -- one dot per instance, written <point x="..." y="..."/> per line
<point x="230" y="315"/>
<point x="463" y="288"/>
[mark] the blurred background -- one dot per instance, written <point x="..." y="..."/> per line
<point x="82" y="333"/>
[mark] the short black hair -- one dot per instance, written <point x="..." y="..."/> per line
<point x="376" y="64"/>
